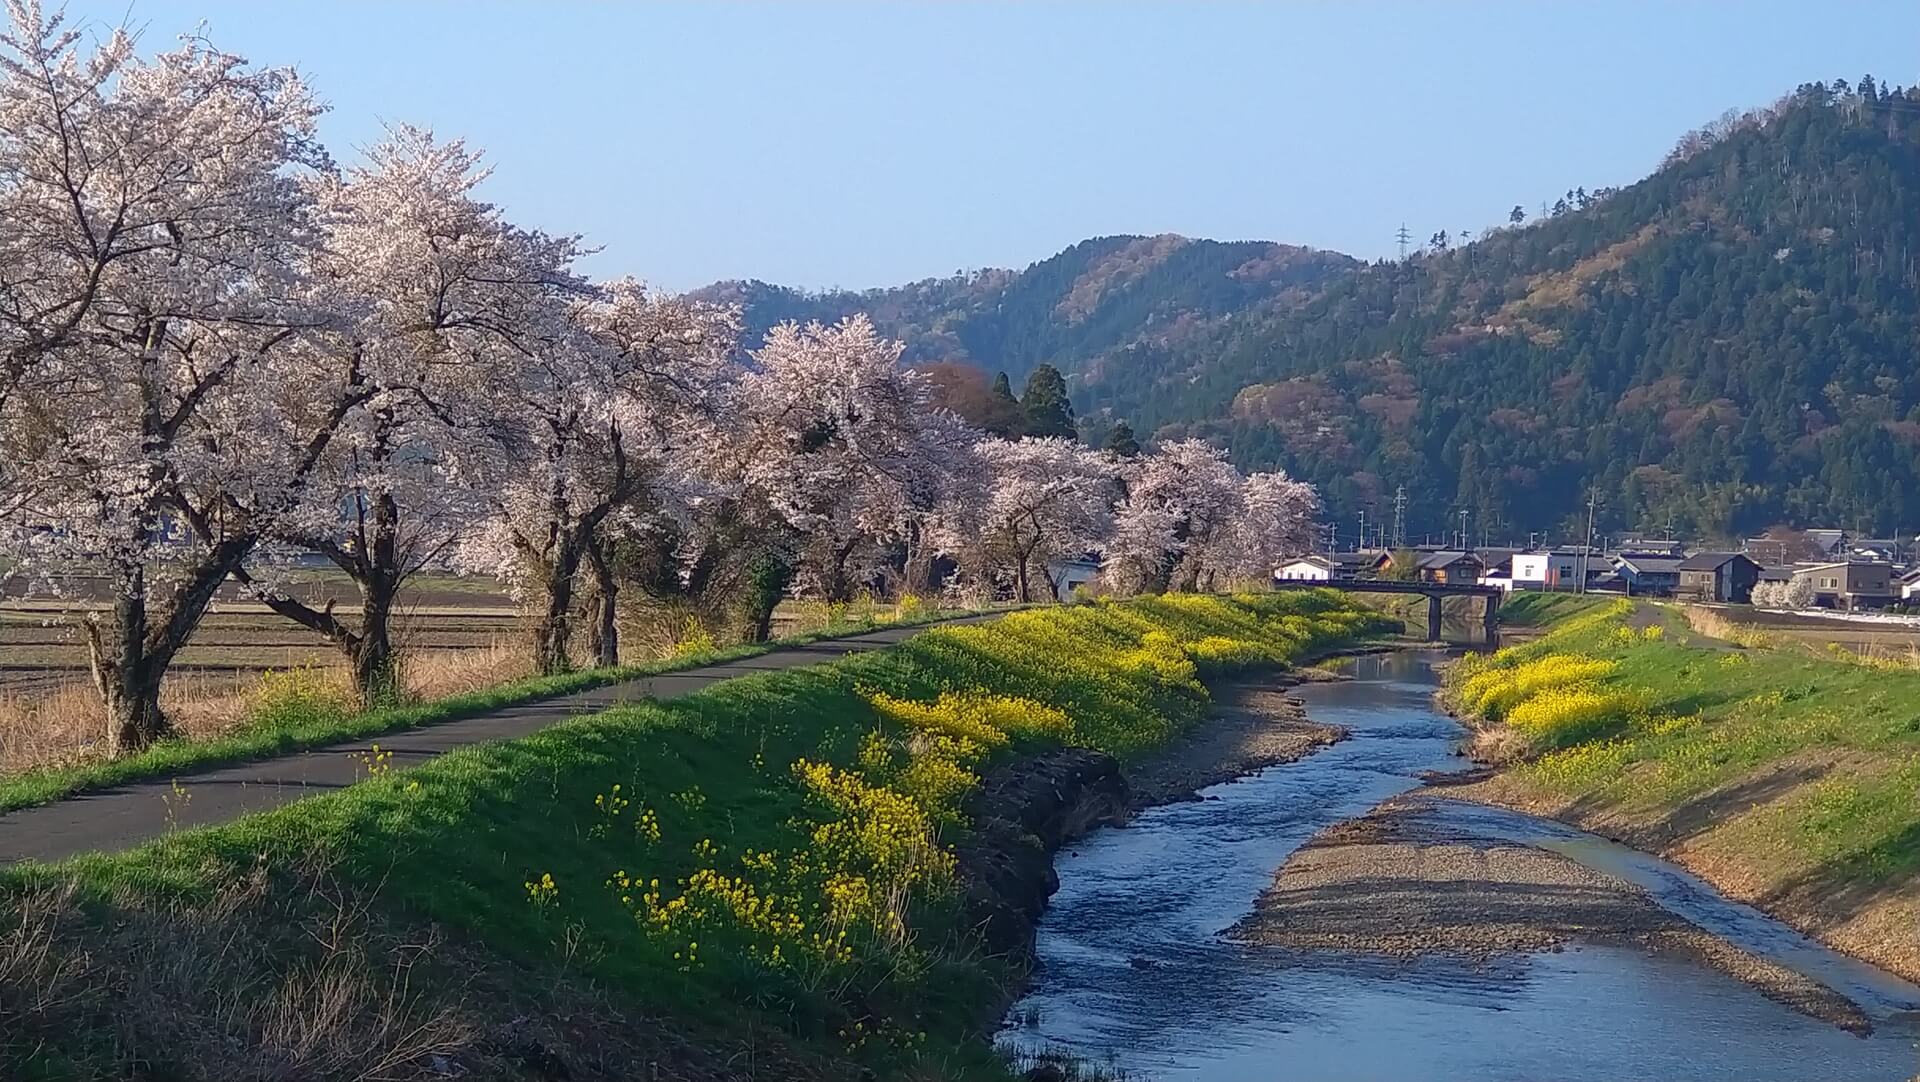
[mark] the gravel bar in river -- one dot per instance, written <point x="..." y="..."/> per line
<point x="1403" y="882"/>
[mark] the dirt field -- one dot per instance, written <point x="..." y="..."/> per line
<point x="41" y="647"/>
<point x="1820" y="631"/>
<point x="442" y="617"/>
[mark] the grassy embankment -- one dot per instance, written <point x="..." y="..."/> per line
<point x="758" y="880"/>
<point x="298" y="709"/>
<point x="1789" y="777"/>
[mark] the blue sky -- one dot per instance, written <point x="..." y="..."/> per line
<point x="870" y="144"/>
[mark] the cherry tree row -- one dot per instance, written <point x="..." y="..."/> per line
<point x="221" y="350"/>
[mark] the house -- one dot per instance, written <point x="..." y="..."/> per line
<point x="1604" y="581"/>
<point x="1454" y="567"/>
<point x="1069" y="575"/>
<point x="1876" y="549"/>
<point x="1648" y="546"/>
<point x="1326" y="567"/>
<point x="1788" y="546"/>
<point x="1718" y="576"/>
<point x="1649" y="576"/>
<point x="1828" y="542"/>
<point x="1497" y="567"/>
<point x="1850" y="584"/>
<point x="1559" y="569"/>
<point x="1909" y="585"/>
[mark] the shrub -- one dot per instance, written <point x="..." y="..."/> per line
<point x="1558" y="716"/>
<point x="1495" y="690"/>
<point x="306" y="695"/>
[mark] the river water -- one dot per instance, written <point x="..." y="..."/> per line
<point x="1135" y="972"/>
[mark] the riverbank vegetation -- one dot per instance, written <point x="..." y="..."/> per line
<point x="1788" y="776"/>
<point x="764" y="876"/>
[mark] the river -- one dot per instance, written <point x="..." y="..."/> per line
<point x="1134" y="971"/>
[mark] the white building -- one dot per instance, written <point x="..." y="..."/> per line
<point x="1560" y="569"/>
<point x="1306" y="569"/>
<point x="1070" y="575"/>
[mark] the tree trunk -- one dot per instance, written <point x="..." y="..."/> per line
<point x="765" y="583"/>
<point x="127" y="671"/>
<point x="553" y="630"/>
<point x="603" y="635"/>
<point x="129" y="685"/>
<point x="838" y="589"/>
<point x="134" y="718"/>
<point x="370" y="653"/>
<point x="376" y="668"/>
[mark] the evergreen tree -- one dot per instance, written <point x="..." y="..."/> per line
<point x="1121" y="441"/>
<point x="1045" y="405"/>
<point x="1008" y="407"/>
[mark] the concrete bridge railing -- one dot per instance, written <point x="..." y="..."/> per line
<point x="1434" y="592"/>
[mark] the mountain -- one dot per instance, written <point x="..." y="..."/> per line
<point x="1730" y="343"/>
<point x="1100" y="299"/>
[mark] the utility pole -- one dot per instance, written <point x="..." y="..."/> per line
<point x="1403" y="236"/>
<point x="1465" y="541"/>
<point x="1360" y="541"/>
<point x="1400" y="517"/>
<point x="1586" y="550"/>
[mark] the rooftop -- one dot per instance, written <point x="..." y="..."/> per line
<point x="1711" y="561"/>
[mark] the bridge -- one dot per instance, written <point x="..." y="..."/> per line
<point x="1434" y="592"/>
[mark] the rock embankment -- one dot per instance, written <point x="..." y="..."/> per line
<point x="1025" y="810"/>
<point x="1021" y="813"/>
<point x="1396" y="883"/>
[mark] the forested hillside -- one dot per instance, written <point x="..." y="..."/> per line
<point x="1097" y="299"/>
<point x="1729" y="343"/>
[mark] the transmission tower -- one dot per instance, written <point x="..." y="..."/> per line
<point x="1400" y="515"/>
<point x="1404" y="237"/>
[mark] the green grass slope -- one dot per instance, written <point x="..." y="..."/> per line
<point x="765" y="865"/>
<point x="1788" y="776"/>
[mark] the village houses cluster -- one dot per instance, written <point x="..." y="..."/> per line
<point x="1786" y="569"/>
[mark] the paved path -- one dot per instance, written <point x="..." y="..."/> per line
<point x="124" y="816"/>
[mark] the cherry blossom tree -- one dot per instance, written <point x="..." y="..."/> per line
<point x="124" y="178"/>
<point x="1278" y="522"/>
<point x="605" y="421"/>
<point x="163" y="395"/>
<point x="1045" y="499"/>
<point x="844" y="446"/>
<point x="438" y="294"/>
<point x="1192" y="521"/>
<point x="1176" y="527"/>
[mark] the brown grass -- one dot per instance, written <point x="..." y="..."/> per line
<point x="1715" y="625"/>
<point x="1836" y="645"/>
<point x="287" y="974"/>
<point x="258" y="983"/>
<point x="56" y="720"/>
<point x="63" y="726"/>
<point x="444" y="673"/>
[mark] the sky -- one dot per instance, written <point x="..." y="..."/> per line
<point x="867" y="144"/>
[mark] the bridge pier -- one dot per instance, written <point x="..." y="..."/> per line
<point x="1490" y="620"/>
<point x="1433" y="617"/>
